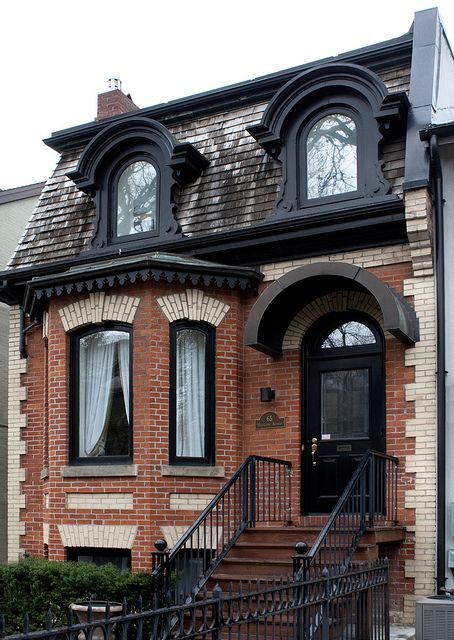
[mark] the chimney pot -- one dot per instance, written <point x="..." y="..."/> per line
<point x="114" y="83"/>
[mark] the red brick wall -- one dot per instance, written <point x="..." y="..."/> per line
<point x="150" y="431"/>
<point x="240" y="372"/>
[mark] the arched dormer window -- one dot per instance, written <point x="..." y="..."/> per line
<point x="325" y="126"/>
<point x="132" y="168"/>
<point x="136" y="199"/>
<point x="331" y="159"/>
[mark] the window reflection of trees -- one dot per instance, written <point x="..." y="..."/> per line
<point x="136" y="205"/>
<point x="331" y="156"/>
<point x="349" y="334"/>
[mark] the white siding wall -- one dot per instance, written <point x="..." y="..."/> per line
<point x="13" y="218"/>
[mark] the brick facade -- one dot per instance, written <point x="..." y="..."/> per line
<point x="133" y="505"/>
<point x="384" y="237"/>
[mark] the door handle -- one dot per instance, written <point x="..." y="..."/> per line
<point x="314" y="451"/>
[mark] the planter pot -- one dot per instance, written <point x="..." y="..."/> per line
<point x="98" y="612"/>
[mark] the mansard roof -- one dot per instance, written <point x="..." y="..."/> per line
<point x="235" y="193"/>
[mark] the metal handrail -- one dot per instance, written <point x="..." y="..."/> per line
<point x="370" y="498"/>
<point x="259" y="491"/>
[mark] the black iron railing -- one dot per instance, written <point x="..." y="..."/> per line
<point x="369" y="500"/>
<point x="259" y="491"/>
<point x="352" y="605"/>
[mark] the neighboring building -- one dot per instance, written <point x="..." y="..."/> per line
<point x="266" y="248"/>
<point x="16" y="206"/>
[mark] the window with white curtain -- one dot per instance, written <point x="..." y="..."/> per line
<point x="192" y="393"/>
<point x="101" y="395"/>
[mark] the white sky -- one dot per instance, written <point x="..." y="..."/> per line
<point x="56" y="55"/>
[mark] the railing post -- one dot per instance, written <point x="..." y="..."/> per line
<point x="372" y="491"/>
<point x="245" y="495"/>
<point x="289" y="497"/>
<point x="252" y="493"/>
<point x="217" y="613"/>
<point x="160" y="562"/>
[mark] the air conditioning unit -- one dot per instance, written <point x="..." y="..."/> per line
<point x="435" y="618"/>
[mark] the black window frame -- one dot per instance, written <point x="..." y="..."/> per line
<point x="120" y="143"/>
<point x="335" y="87"/>
<point x="114" y="175"/>
<point x="74" y="430"/>
<point x="209" y="331"/>
<point x="302" y="161"/>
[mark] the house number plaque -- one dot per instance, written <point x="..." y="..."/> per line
<point x="269" y="420"/>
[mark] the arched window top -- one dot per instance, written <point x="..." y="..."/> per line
<point x="348" y="334"/>
<point x="341" y="331"/>
<point x="331" y="156"/>
<point x="136" y="199"/>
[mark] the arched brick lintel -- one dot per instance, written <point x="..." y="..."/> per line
<point x="97" y="308"/>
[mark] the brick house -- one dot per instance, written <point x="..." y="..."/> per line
<point x="247" y="271"/>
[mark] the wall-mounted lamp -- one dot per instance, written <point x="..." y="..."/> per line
<point x="267" y="394"/>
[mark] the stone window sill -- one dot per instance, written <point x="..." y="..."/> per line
<point x="107" y="470"/>
<point x="188" y="471"/>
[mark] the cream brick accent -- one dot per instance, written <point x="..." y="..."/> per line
<point x="423" y="429"/>
<point x="172" y="533"/>
<point x="93" y="501"/>
<point x="98" y="535"/>
<point x="418" y="214"/>
<point x="16" y="446"/>
<point x="193" y="304"/>
<point x="98" y="308"/>
<point x="335" y="301"/>
<point x="365" y="258"/>
<point x="46" y="528"/>
<point x="190" y="501"/>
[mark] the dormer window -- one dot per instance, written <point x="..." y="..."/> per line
<point x="132" y="169"/>
<point x="325" y="127"/>
<point x="331" y="156"/>
<point x="136" y="199"/>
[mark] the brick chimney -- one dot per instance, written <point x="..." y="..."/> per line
<point x="114" y="101"/>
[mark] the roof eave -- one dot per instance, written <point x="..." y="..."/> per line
<point x="396" y="51"/>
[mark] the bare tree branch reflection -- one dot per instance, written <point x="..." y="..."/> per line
<point x="331" y="156"/>
<point x="349" y="334"/>
<point x="136" y="204"/>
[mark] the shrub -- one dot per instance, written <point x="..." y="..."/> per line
<point x="33" y="585"/>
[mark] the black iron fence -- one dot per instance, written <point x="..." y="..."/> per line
<point x="329" y="605"/>
<point x="259" y="491"/>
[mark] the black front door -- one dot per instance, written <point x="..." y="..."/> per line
<point x="343" y="412"/>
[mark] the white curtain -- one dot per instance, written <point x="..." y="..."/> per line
<point x="95" y="383"/>
<point x="190" y="365"/>
<point x="123" y="359"/>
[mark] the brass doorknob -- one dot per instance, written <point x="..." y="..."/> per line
<point x="314" y="451"/>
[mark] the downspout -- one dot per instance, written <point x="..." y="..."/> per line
<point x="437" y="187"/>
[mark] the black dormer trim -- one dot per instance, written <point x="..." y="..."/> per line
<point x="119" y="144"/>
<point x="331" y="88"/>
